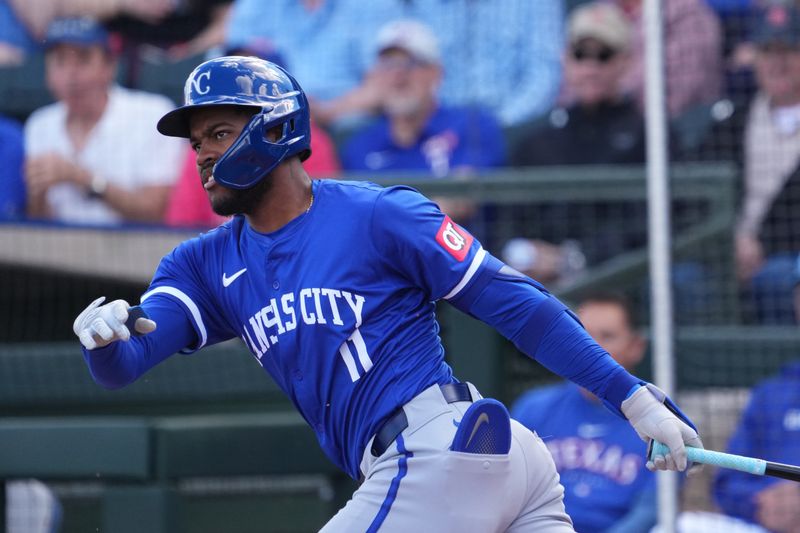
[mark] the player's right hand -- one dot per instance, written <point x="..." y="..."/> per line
<point x="100" y="325"/>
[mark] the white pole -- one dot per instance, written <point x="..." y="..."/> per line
<point x="658" y="202"/>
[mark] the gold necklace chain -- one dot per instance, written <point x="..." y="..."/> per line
<point x="310" y="203"/>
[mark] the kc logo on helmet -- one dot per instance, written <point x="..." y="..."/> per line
<point x="454" y="239"/>
<point x="196" y="83"/>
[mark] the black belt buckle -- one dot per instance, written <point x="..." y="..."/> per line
<point x="395" y="424"/>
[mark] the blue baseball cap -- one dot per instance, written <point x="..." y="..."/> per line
<point x="78" y="31"/>
<point x="777" y="24"/>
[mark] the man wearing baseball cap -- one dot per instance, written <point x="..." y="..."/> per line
<point x="414" y="132"/>
<point x="94" y="156"/>
<point x="767" y="238"/>
<point x="600" y="126"/>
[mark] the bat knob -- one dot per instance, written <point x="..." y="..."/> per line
<point x="135" y="313"/>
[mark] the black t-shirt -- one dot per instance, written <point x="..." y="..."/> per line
<point x="185" y="22"/>
<point x="611" y="133"/>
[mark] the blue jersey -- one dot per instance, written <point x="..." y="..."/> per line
<point x="599" y="456"/>
<point x="453" y="140"/>
<point x="769" y="428"/>
<point x="337" y="306"/>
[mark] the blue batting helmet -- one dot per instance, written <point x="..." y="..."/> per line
<point x="255" y="83"/>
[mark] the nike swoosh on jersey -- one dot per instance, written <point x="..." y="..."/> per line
<point x="482" y="419"/>
<point x="227" y="280"/>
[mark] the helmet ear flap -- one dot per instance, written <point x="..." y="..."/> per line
<point x="253" y="154"/>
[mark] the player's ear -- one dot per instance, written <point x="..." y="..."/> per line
<point x="273" y="134"/>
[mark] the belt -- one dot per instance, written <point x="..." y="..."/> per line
<point x="397" y="422"/>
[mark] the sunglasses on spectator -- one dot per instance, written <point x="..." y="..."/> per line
<point x="401" y="63"/>
<point x="600" y="55"/>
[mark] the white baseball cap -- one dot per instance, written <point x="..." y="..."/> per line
<point x="600" y="20"/>
<point x="411" y="36"/>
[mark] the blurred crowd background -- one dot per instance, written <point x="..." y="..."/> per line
<point x="523" y="119"/>
<point x="454" y="91"/>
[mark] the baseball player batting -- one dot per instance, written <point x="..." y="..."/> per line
<point x="331" y="285"/>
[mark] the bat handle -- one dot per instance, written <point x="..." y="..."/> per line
<point x="134" y="313"/>
<point x="709" y="457"/>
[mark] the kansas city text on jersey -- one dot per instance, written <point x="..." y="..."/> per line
<point x="310" y="306"/>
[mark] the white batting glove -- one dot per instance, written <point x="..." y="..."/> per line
<point x="100" y="325"/>
<point x="651" y="419"/>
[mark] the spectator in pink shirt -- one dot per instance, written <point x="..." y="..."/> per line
<point x="693" y="53"/>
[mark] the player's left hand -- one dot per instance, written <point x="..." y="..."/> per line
<point x="100" y="325"/>
<point x="650" y="417"/>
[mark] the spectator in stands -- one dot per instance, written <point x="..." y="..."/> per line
<point x="23" y="22"/>
<point x="189" y="206"/>
<point x="501" y="55"/>
<point x="327" y="44"/>
<point x="15" y="39"/>
<point x="192" y="27"/>
<point x="768" y="229"/>
<point x="415" y="132"/>
<point x="94" y="156"/>
<point x="601" y="461"/>
<point x="693" y="53"/>
<point x="769" y="429"/>
<point x="738" y="52"/>
<point x="602" y="125"/>
<point x="548" y="263"/>
<point x="12" y="180"/>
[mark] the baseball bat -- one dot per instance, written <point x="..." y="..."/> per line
<point x="135" y="313"/>
<point x="750" y="465"/>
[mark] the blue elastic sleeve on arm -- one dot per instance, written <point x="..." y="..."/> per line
<point x="542" y="327"/>
<point x="570" y="352"/>
<point x="121" y="363"/>
<point x="486" y="272"/>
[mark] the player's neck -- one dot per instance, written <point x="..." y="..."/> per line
<point x="289" y="197"/>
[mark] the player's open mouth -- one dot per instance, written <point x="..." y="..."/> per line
<point x="210" y="182"/>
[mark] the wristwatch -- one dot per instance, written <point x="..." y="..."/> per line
<point x="97" y="186"/>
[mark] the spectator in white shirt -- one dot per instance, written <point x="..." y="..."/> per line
<point x="94" y="156"/>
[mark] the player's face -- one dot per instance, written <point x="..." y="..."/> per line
<point x="79" y="76"/>
<point x="212" y="130"/>
<point x="607" y="324"/>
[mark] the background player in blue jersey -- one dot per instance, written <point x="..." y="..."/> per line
<point x="331" y="285"/>
<point x="600" y="458"/>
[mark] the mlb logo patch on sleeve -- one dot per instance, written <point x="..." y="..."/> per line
<point x="454" y="239"/>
